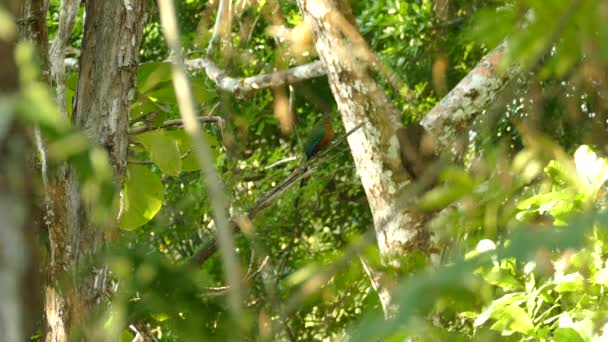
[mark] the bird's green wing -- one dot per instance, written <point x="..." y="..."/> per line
<point x="314" y="138"/>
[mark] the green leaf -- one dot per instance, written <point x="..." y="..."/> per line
<point x="440" y="197"/>
<point x="163" y="151"/>
<point x="572" y="282"/>
<point x="498" y="305"/>
<point x="152" y="74"/>
<point x="513" y="318"/>
<point x="143" y="196"/>
<point x="567" y="335"/>
<point x="503" y="279"/>
<point x="190" y="163"/>
<point x="558" y="174"/>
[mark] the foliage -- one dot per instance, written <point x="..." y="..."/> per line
<point x="521" y="220"/>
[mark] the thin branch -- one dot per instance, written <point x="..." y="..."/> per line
<point x="67" y="17"/>
<point x="205" y="252"/>
<point x="221" y="29"/>
<point x="222" y="290"/>
<point x="175" y="123"/>
<point x="216" y="194"/>
<point x="142" y="333"/>
<point x="149" y="162"/>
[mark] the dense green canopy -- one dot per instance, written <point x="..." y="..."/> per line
<point x="517" y="222"/>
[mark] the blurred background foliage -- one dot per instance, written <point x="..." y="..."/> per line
<point x="521" y="220"/>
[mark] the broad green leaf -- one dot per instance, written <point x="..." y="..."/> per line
<point x="558" y="174"/>
<point x="503" y="279"/>
<point x="143" y="195"/>
<point x="163" y="92"/>
<point x="497" y="305"/>
<point x="163" y="151"/>
<point x="567" y="335"/>
<point x="512" y="318"/>
<point x="457" y="177"/>
<point x="190" y="163"/>
<point x="441" y="196"/>
<point x="151" y="74"/>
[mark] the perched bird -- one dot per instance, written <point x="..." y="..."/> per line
<point x="318" y="137"/>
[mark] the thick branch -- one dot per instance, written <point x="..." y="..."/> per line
<point x="242" y="86"/>
<point x="468" y="99"/>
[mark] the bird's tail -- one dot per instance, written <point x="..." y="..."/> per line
<point x="297" y="201"/>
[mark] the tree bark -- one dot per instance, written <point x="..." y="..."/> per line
<point x="400" y="228"/>
<point x="18" y="257"/>
<point x="106" y="87"/>
<point x="32" y="27"/>
<point x="375" y="147"/>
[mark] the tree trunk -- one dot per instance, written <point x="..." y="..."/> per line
<point x="400" y="228"/>
<point x="375" y="147"/>
<point x="18" y="257"/>
<point x="106" y="87"/>
<point x="32" y="27"/>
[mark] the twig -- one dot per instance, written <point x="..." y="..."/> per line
<point x="215" y="106"/>
<point x="176" y="123"/>
<point x="255" y="21"/>
<point x="205" y="252"/>
<point x="222" y="290"/>
<point x="142" y="333"/>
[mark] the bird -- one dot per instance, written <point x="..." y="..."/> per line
<point x="319" y="136"/>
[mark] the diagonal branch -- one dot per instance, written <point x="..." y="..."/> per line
<point x="221" y="29"/>
<point x="205" y="252"/>
<point x="469" y="98"/>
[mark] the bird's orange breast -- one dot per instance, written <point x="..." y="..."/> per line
<point x="329" y="134"/>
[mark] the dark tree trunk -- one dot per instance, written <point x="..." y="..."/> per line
<point x="106" y="87"/>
